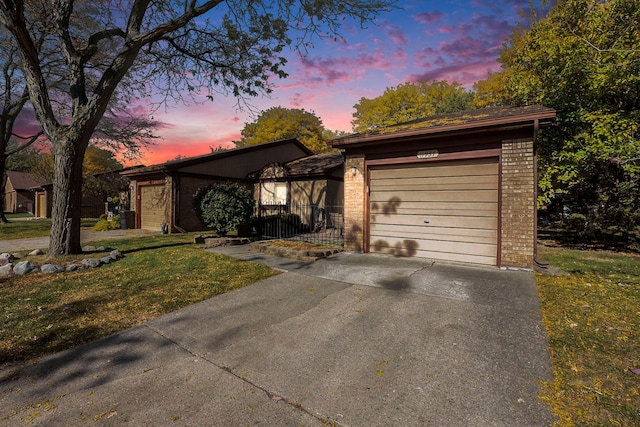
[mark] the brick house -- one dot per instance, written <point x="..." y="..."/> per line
<point x="163" y="194"/>
<point x="458" y="187"/>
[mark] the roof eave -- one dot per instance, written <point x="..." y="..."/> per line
<point x="544" y="119"/>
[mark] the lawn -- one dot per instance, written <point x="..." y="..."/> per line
<point x="44" y="313"/>
<point x="592" y="318"/>
<point x="32" y="228"/>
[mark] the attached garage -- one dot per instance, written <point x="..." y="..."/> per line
<point x="153" y="202"/>
<point x="456" y="188"/>
<point x="442" y="210"/>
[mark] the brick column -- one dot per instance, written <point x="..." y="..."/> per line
<point x="354" y="199"/>
<point x="518" y="204"/>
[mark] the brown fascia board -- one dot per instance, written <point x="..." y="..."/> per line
<point x="544" y="119"/>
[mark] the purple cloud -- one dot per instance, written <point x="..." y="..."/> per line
<point x="428" y="18"/>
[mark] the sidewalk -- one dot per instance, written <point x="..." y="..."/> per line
<point x="86" y="235"/>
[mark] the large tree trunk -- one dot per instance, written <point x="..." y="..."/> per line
<point x="67" y="197"/>
<point x="3" y="182"/>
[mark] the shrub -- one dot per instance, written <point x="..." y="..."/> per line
<point x="223" y="207"/>
<point x="104" y="225"/>
<point x="281" y="226"/>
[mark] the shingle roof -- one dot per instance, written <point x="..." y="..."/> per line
<point x="24" y="180"/>
<point x="315" y="165"/>
<point x="485" y="117"/>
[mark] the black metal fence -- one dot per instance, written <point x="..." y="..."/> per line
<point x="321" y="224"/>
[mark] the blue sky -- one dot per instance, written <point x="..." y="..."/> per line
<point x="433" y="40"/>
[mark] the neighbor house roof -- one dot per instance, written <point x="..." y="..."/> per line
<point x="24" y="180"/>
<point x="315" y="165"/>
<point x="462" y="122"/>
<point x="218" y="155"/>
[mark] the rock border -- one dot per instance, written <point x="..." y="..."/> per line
<point x="7" y="267"/>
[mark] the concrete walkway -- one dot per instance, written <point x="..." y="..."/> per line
<point x="86" y="235"/>
<point x="354" y="340"/>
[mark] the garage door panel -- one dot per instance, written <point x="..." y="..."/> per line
<point x="417" y="186"/>
<point x="442" y="208"/>
<point x="453" y="234"/>
<point x="459" y="199"/>
<point x="437" y="221"/>
<point x="398" y="197"/>
<point x="153" y="204"/>
<point x="450" y="170"/>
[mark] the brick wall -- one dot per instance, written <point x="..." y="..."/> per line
<point x="354" y="199"/>
<point x="518" y="204"/>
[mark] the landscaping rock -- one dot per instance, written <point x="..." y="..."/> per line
<point x="6" y="270"/>
<point x="50" y="268"/>
<point x="101" y="248"/>
<point x="89" y="249"/>
<point x="116" y="255"/>
<point x="198" y="240"/>
<point x="6" y="258"/>
<point x="36" y="252"/>
<point x="106" y="259"/>
<point x="75" y="267"/>
<point x="91" y="262"/>
<point x="24" y="267"/>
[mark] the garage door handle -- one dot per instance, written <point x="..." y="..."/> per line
<point x="426" y="222"/>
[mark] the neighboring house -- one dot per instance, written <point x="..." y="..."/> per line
<point x="162" y="195"/>
<point x="456" y="187"/>
<point x="18" y="196"/>
<point x="306" y="186"/>
<point x="113" y="183"/>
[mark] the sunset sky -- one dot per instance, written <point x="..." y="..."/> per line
<point x="456" y="40"/>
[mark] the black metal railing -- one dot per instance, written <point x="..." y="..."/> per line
<point x="313" y="223"/>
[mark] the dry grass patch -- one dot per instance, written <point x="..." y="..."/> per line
<point x="592" y="317"/>
<point x="304" y="246"/>
<point x="43" y="313"/>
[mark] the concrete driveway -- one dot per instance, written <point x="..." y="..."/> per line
<point x="354" y="340"/>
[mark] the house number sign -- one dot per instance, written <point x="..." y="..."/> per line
<point x="427" y="154"/>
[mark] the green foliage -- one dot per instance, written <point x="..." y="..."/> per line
<point x="583" y="59"/>
<point x="106" y="225"/>
<point x="223" y="207"/>
<point x="280" y="226"/>
<point x="279" y="123"/>
<point x="410" y="101"/>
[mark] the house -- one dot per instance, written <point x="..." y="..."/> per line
<point x="101" y="186"/>
<point x="162" y="195"/>
<point x="18" y="196"/>
<point x="457" y="187"/>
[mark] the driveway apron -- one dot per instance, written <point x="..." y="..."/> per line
<point x="354" y="340"/>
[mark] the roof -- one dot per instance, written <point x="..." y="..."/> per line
<point x="190" y="161"/>
<point x="465" y="121"/>
<point x="24" y="180"/>
<point x="315" y="165"/>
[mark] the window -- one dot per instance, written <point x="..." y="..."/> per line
<point x="273" y="193"/>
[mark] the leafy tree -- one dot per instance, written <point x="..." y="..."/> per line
<point x="410" y="101"/>
<point x="171" y="46"/>
<point x="583" y="59"/>
<point x="283" y="123"/>
<point x="223" y="207"/>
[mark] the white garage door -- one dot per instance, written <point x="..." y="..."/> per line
<point x="441" y="210"/>
<point x="153" y="202"/>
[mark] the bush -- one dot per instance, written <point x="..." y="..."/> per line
<point x="281" y="226"/>
<point x="104" y="225"/>
<point x="223" y="207"/>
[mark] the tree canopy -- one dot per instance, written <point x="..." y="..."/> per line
<point x="167" y="47"/>
<point x="279" y="123"/>
<point x="410" y="101"/>
<point x="583" y="59"/>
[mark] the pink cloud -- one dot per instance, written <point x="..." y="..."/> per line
<point x="427" y="18"/>
<point x="396" y="35"/>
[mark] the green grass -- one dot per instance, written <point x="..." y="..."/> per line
<point x="35" y="228"/>
<point x="11" y="216"/>
<point x="44" y="313"/>
<point x="592" y="318"/>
